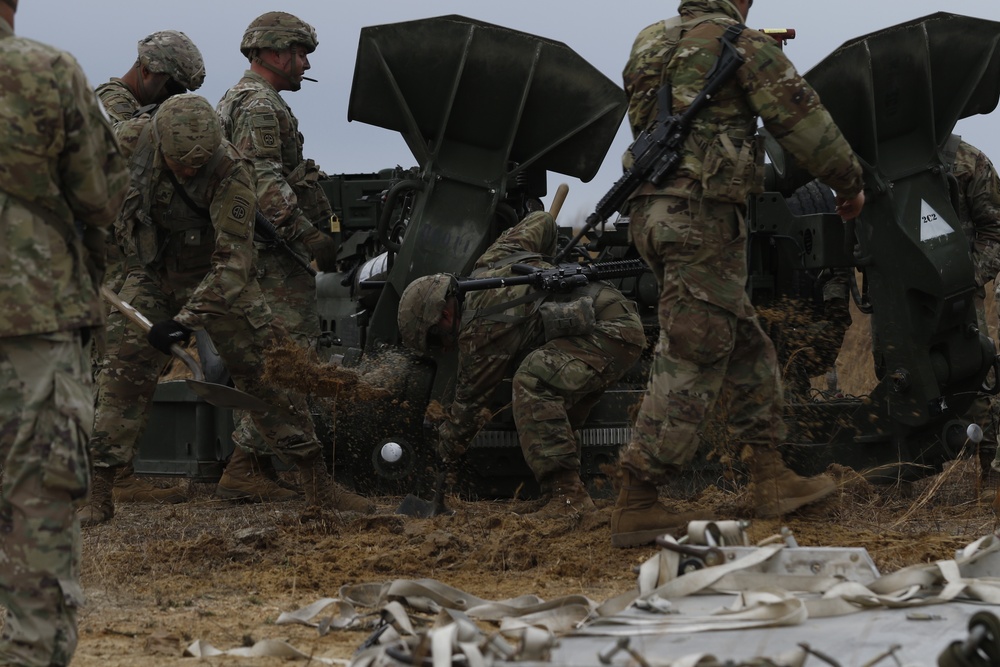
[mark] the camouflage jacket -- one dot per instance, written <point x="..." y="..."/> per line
<point x="118" y="100"/>
<point x="979" y="209"/>
<point x="61" y="181"/>
<point x="204" y="251"/>
<point x="722" y="158"/>
<point x="121" y="106"/>
<point x="262" y="126"/>
<point x="491" y="343"/>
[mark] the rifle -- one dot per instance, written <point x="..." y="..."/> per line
<point x="562" y="278"/>
<point x="656" y="153"/>
<point x="268" y="233"/>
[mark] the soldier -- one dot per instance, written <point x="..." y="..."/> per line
<point x="188" y="220"/>
<point x="978" y="190"/>
<point x="61" y="182"/>
<point x="559" y="372"/>
<point x="260" y="123"/>
<point x="691" y="232"/>
<point x="168" y="63"/>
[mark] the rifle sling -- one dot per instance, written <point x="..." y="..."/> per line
<point x="179" y="189"/>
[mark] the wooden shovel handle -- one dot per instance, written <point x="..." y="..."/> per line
<point x="557" y="200"/>
<point x="145" y="325"/>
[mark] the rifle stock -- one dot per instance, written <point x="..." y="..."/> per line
<point x="266" y="230"/>
<point x="562" y="278"/>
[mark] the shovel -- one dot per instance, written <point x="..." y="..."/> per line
<point x="414" y="505"/>
<point x="218" y="395"/>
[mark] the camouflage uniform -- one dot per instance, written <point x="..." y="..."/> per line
<point x="258" y="121"/>
<point x="555" y="382"/>
<point x="979" y="211"/>
<point x="60" y="168"/>
<point x="165" y="52"/>
<point x="118" y="100"/>
<point x="691" y="231"/>
<point x="197" y="264"/>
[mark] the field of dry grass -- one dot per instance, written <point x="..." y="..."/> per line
<point x="158" y="578"/>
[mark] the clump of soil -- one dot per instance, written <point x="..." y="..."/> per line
<point x="290" y="366"/>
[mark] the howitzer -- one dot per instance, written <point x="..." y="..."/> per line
<point x="265" y="231"/>
<point x="656" y="153"/>
<point x="561" y="278"/>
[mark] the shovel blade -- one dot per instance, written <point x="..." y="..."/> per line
<point x="222" y="396"/>
<point x="424" y="509"/>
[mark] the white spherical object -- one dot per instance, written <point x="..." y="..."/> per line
<point x="391" y="452"/>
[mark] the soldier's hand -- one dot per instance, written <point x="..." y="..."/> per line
<point x="324" y="250"/>
<point x="166" y="333"/>
<point x="848" y="209"/>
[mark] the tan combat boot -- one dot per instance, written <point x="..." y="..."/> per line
<point x="130" y="489"/>
<point x="639" y="517"/>
<point x="243" y="480"/>
<point x="568" y="497"/>
<point x="266" y="465"/>
<point x="322" y="491"/>
<point x="777" y="490"/>
<point x="101" y="505"/>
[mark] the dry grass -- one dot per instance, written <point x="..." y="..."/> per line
<point x="159" y="577"/>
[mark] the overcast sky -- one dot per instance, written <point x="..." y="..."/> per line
<point x="102" y="34"/>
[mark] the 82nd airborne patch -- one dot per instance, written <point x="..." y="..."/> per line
<point x="239" y="216"/>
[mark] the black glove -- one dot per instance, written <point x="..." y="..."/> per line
<point x="167" y="333"/>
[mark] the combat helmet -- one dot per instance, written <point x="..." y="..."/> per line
<point x="277" y="31"/>
<point x="173" y="53"/>
<point x="187" y="129"/>
<point x="420" y="308"/>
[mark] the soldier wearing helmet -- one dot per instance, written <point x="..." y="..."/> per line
<point x="188" y="221"/>
<point x="260" y="123"/>
<point x="167" y="63"/>
<point x="428" y="312"/>
<point x="561" y="352"/>
<point x="280" y="43"/>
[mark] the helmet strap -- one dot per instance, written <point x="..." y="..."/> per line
<point x="292" y="83"/>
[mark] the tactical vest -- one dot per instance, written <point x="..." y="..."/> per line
<point x="170" y="229"/>
<point x="726" y="160"/>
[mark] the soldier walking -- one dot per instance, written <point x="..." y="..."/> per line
<point x="691" y="231"/>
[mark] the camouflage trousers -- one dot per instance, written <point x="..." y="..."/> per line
<point x="554" y="389"/>
<point x="114" y="278"/>
<point x="126" y="383"/>
<point x="46" y="409"/>
<point x="711" y="345"/>
<point x="290" y="292"/>
<point x="983" y="410"/>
